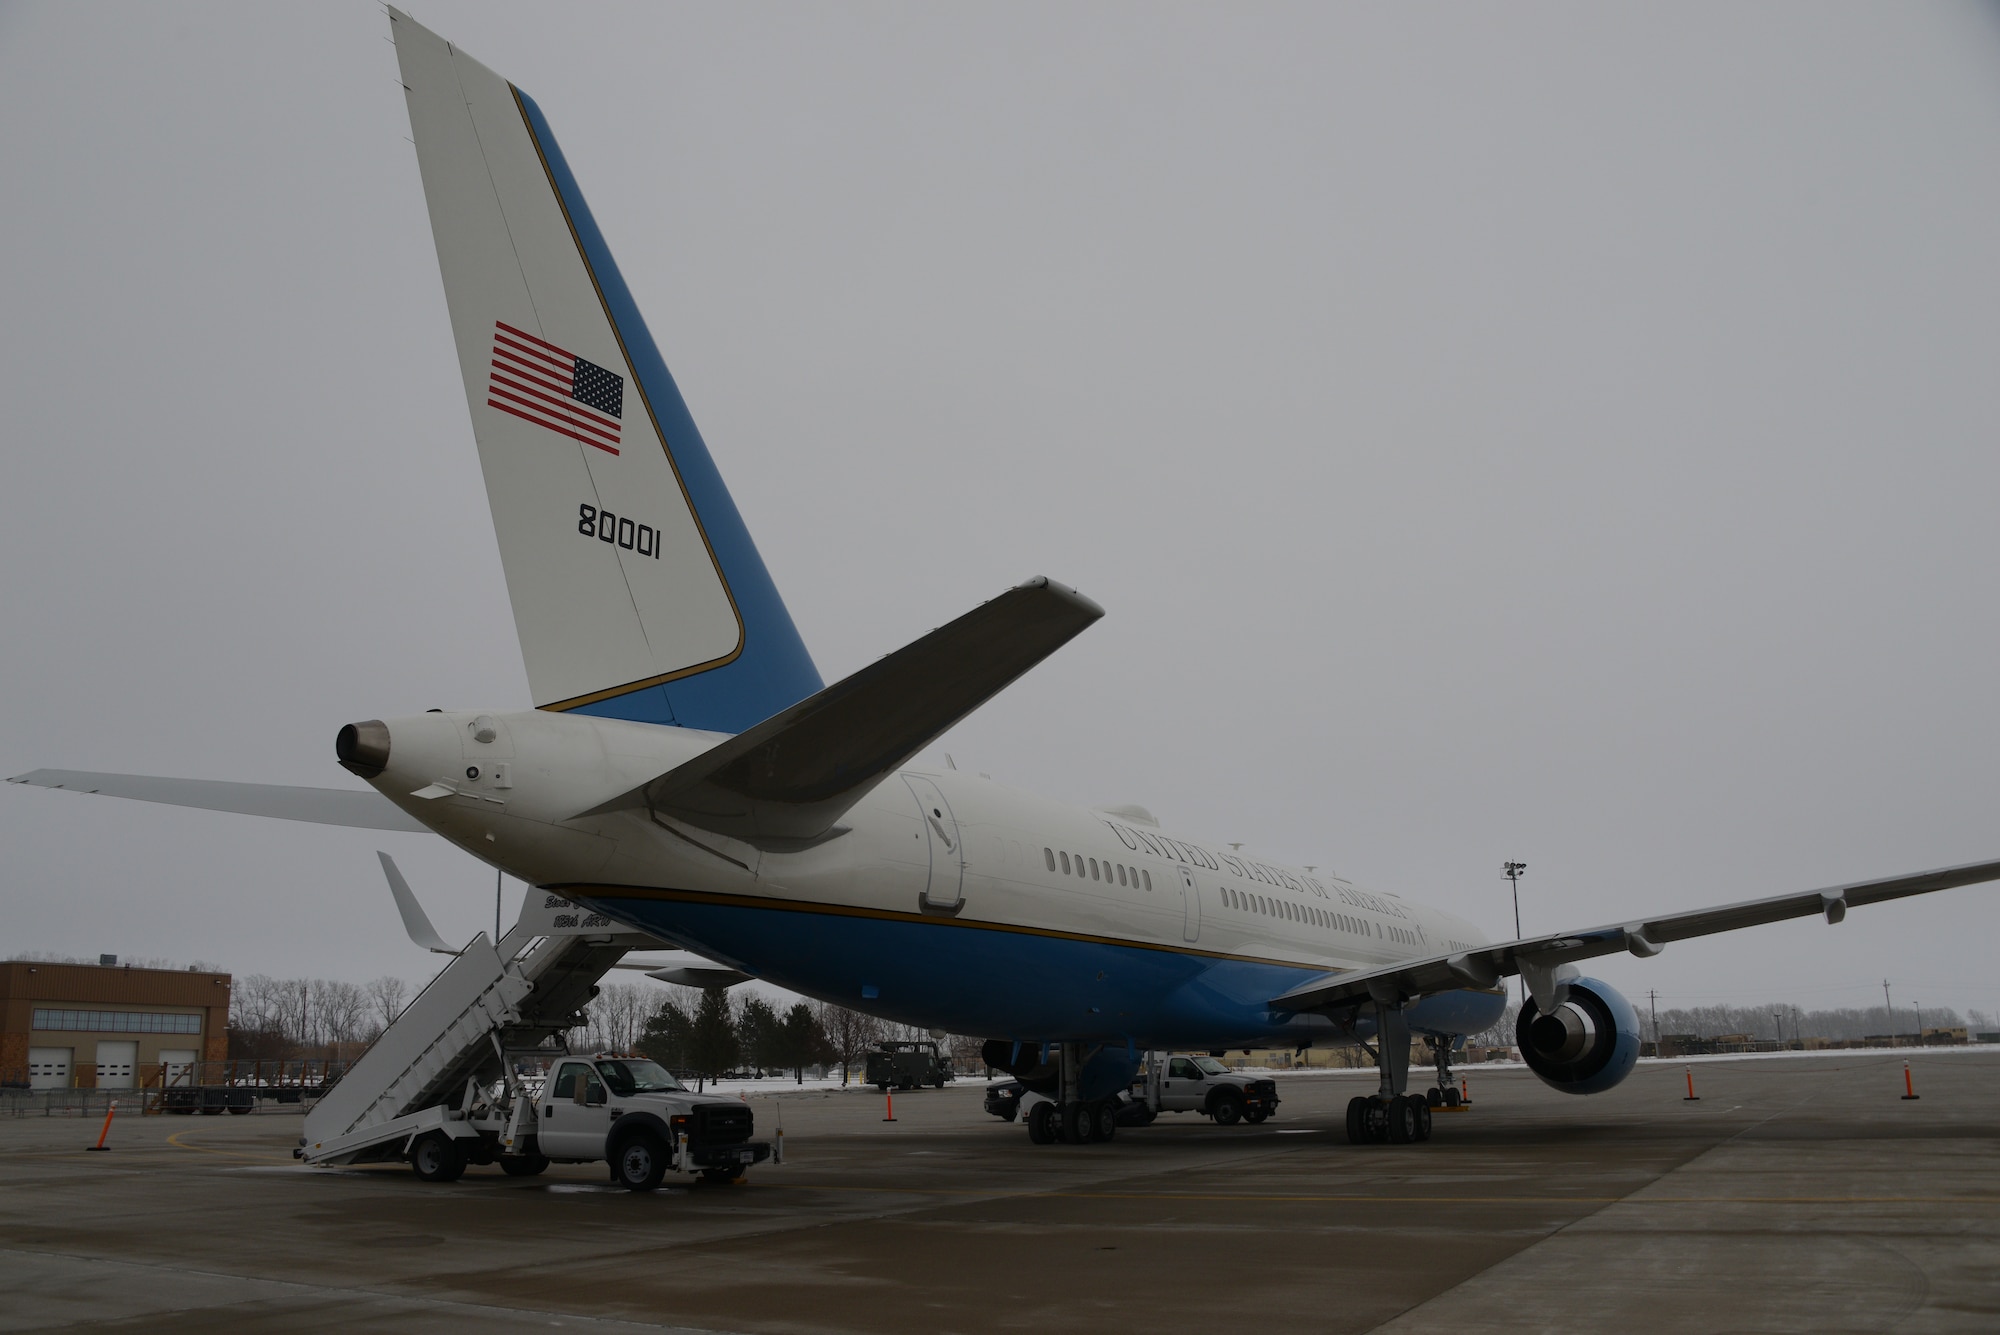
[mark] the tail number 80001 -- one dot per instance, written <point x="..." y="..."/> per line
<point x="618" y="530"/>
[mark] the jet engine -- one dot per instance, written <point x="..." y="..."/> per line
<point x="1586" y="1044"/>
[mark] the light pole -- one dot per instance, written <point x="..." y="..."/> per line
<point x="1512" y="871"/>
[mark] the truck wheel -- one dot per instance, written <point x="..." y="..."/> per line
<point x="639" y="1161"/>
<point x="524" y="1165"/>
<point x="882" y="1085"/>
<point x="1042" y="1124"/>
<point x="436" y="1158"/>
<point x="1228" y="1110"/>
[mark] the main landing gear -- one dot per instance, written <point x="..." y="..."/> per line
<point x="1391" y="1114"/>
<point x="1069" y="1118"/>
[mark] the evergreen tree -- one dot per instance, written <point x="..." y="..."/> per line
<point x="801" y="1042"/>
<point x="668" y="1037"/>
<point x="712" y="1042"/>
<point x="760" y="1034"/>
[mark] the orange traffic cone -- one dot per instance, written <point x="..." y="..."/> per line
<point x="1909" y="1089"/>
<point x="1692" y="1097"/>
<point x="889" y="1112"/>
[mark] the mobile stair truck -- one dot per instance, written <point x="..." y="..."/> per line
<point x="448" y="1083"/>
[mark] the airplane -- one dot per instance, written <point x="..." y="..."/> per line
<point x="685" y="771"/>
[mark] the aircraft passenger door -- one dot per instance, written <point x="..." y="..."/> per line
<point x="946" y="891"/>
<point x="1190" y="906"/>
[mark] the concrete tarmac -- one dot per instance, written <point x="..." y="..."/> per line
<point x="1798" y="1194"/>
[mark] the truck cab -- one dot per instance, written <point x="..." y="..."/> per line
<point x="632" y="1113"/>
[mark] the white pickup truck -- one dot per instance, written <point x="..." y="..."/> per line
<point x="1205" y="1085"/>
<point x="625" y="1111"/>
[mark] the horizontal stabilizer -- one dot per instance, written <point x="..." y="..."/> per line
<point x="1540" y="958"/>
<point x="796" y="773"/>
<point x="361" y="810"/>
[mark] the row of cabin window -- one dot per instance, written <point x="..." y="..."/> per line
<point x="1097" y="871"/>
<point x="1278" y="908"/>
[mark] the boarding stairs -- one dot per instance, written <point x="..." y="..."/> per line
<point x="457" y="1038"/>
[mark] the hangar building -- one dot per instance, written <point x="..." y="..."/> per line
<point x="106" y="1026"/>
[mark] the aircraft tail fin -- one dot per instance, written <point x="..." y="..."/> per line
<point x="637" y="590"/>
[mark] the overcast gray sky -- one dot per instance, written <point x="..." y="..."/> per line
<point x="1564" y="433"/>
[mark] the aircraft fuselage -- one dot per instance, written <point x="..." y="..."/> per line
<point x="942" y="899"/>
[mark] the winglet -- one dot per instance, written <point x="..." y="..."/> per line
<point x="415" y="921"/>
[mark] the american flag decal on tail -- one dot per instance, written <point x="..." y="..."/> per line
<point x="538" y="382"/>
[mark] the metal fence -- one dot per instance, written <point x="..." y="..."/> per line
<point x="237" y="1086"/>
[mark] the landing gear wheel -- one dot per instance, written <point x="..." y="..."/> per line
<point x="1105" y="1119"/>
<point x="1451" y="1098"/>
<point x="1423" y="1120"/>
<point x="639" y="1161"/>
<point x="1403" y="1119"/>
<point x="1042" y="1124"/>
<point x="1228" y="1110"/>
<point x="524" y="1165"/>
<point x="436" y="1158"/>
<point x="1079" y="1127"/>
<point x="1357" y="1121"/>
<point x="1434" y="1098"/>
<point x="1255" y="1116"/>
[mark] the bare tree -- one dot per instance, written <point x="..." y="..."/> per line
<point x="617" y="1016"/>
<point x="848" y="1033"/>
<point x="340" y="1009"/>
<point x="386" y="996"/>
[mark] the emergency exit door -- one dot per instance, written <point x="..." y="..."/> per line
<point x="945" y="892"/>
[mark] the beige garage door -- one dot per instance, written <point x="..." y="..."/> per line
<point x="115" y="1059"/>
<point x="177" y="1066"/>
<point x="48" y="1068"/>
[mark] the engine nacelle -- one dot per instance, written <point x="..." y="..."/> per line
<point x="1587" y="1044"/>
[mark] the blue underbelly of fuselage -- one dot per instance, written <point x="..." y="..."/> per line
<point x="991" y="981"/>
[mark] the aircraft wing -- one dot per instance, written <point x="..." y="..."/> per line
<point x="1539" y="957"/>
<point x="361" y="809"/>
<point x="796" y="773"/>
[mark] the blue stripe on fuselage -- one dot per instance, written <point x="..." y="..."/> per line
<point x="974" y="979"/>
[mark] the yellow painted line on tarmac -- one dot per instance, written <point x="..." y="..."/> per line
<point x="179" y="1144"/>
<point x="1397" y="1200"/>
